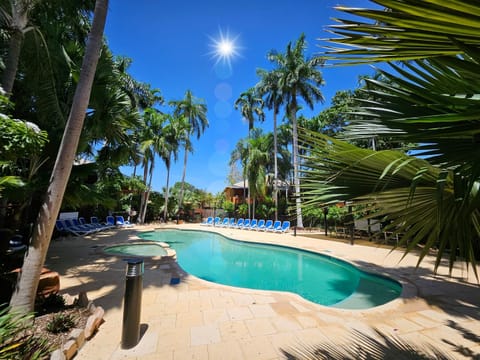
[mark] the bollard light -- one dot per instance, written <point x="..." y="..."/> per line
<point x="132" y="303"/>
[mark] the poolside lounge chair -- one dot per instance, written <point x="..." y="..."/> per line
<point x="81" y="221"/>
<point x="246" y="224"/>
<point x="231" y="223"/>
<point x="261" y="225"/>
<point x="208" y="222"/>
<point x="253" y="224"/>
<point x="284" y="228"/>
<point x="75" y="224"/>
<point x="276" y="225"/>
<point x="120" y="221"/>
<point x="268" y="226"/>
<point x="62" y="226"/>
<point x="216" y="221"/>
<point x="94" y="220"/>
<point x="110" y="220"/>
<point x="224" y="223"/>
<point x="239" y="224"/>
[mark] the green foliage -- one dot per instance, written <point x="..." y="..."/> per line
<point x="60" y="323"/>
<point x="51" y="303"/>
<point x="16" y="339"/>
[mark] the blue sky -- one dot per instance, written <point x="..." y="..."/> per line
<point x="170" y="43"/>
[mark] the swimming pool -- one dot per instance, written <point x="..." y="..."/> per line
<point x="318" y="278"/>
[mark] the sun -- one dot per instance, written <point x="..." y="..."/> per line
<point x="224" y="48"/>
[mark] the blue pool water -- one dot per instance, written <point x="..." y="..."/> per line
<point x="318" y="278"/>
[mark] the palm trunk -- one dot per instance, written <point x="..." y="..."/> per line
<point x="165" y="210"/>
<point x="180" y="198"/>
<point x="11" y="63"/>
<point x="141" y="211"/>
<point x="275" y="162"/>
<point x="23" y="298"/>
<point x="147" y="193"/>
<point x="296" y="179"/>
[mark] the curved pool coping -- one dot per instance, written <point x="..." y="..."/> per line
<point x="171" y="253"/>
<point x="409" y="289"/>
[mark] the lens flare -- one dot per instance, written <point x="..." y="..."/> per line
<point x="224" y="48"/>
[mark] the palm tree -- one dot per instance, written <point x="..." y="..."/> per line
<point x="195" y="111"/>
<point x="428" y="99"/>
<point x="298" y="77"/>
<point x="176" y="134"/>
<point x="259" y="148"/>
<point x="250" y="105"/>
<point x="153" y="143"/>
<point x="16" y="20"/>
<point x="24" y="295"/>
<point x="268" y="86"/>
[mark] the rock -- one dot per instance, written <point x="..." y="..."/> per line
<point x="78" y="335"/>
<point x="93" y="322"/>
<point x="57" y="355"/>
<point x="69" y="299"/>
<point x="83" y="299"/>
<point x="70" y="349"/>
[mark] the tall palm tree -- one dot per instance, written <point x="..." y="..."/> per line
<point x="23" y="297"/>
<point x="429" y="99"/>
<point x="269" y="87"/>
<point x="195" y="111"/>
<point x="176" y="134"/>
<point x="298" y="77"/>
<point x="153" y="143"/>
<point x="251" y="106"/>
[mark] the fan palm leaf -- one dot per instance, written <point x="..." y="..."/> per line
<point x="427" y="205"/>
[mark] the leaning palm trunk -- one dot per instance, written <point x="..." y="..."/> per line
<point x="182" y="189"/>
<point x="141" y="212"/>
<point x="296" y="178"/>
<point x="23" y="298"/>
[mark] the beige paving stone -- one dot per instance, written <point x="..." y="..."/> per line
<point x="435" y="315"/>
<point x="230" y="350"/>
<point x="299" y="307"/>
<point x="261" y="310"/>
<point x="222" y="302"/>
<point x="203" y="335"/>
<point x="214" y="316"/>
<point x="243" y="299"/>
<point x="191" y="353"/>
<point x="146" y="346"/>
<point x="260" y="326"/>
<point x="448" y="335"/>
<point x="200" y="304"/>
<point x="404" y="325"/>
<point x="239" y="313"/>
<point x="423" y="321"/>
<point x="189" y="319"/>
<point x="285" y="323"/>
<point x="306" y="321"/>
<point x="282" y="308"/>
<point x="263" y="299"/>
<point x="258" y="348"/>
<point x="173" y="339"/>
<point x="234" y="330"/>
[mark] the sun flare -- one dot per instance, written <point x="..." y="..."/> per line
<point x="224" y="48"/>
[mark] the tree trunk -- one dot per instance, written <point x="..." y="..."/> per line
<point x="11" y="63"/>
<point x="296" y="179"/>
<point x="23" y="298"/>
<point x="182" y="188"/>
<point x="165" y="210"/>
<point x="275" y="162"/>
<point x="143" y="197"/>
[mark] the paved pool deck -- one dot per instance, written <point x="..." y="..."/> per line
<point x="196" y="319"/>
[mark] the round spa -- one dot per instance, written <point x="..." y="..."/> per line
<point x="141" y="249"/>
